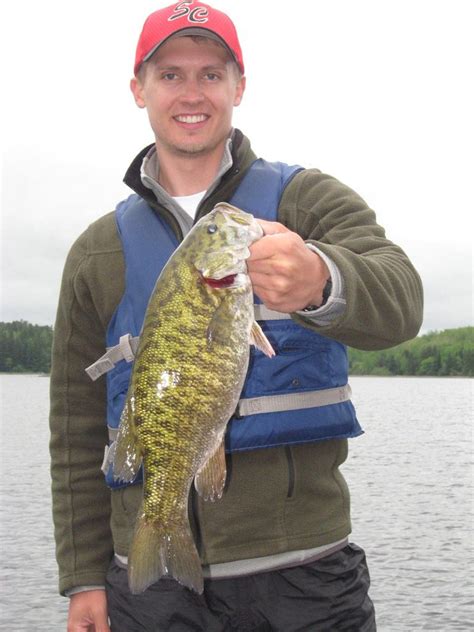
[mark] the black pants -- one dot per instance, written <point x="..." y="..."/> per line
<point x="329" y="595"/>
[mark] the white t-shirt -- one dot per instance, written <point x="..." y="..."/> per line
<point x="189" y="203"/>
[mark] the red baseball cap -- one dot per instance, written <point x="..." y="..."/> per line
<point x="187" y="18"/>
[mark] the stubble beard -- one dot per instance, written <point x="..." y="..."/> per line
<point x="196" y="149"/>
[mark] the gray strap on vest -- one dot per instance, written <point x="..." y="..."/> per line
<point x="263" y="313"/>
<point x="281" y="403"/>
<point x="109" y="451"/>
<point x="113" y="432"/>
<point x="293" y="401"/>
<point x="125" y="350"/>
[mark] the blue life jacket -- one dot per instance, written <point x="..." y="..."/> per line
<point x="300" y="395"/>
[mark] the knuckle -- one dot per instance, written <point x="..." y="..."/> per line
<point x="291" y="245"/>
<point x="282" y="284"/>
<point x="287" y="271"/>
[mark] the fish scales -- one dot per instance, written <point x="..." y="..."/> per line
<point x="186" y="381"/>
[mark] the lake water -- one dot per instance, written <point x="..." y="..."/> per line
<point x="412" y="504"/>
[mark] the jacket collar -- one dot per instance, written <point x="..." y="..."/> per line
<point x="133" y="175"/>
<point x="150" y="168"/>
<point x="242" y="157"/>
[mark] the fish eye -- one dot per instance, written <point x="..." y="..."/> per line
<point x="212" y="228"/>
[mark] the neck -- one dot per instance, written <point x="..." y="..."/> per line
<point x="185" y="175"/>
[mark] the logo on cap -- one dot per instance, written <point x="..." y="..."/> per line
<point x="198" y="15"/>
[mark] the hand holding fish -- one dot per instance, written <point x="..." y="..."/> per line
<point x="286" y="275"/>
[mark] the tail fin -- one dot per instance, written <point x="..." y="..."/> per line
<point x="155" y="553"/>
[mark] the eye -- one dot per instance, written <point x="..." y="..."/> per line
<point x="211" y="229"/>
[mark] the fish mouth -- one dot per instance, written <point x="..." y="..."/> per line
<point x="219" y="284"/>
<point x="234" y="280"/>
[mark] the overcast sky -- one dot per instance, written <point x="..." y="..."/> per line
<point x="377" y="93"/>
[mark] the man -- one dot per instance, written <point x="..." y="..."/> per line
<point x="274" y="549"/>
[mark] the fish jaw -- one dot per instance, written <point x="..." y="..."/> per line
<point x="231" y="281"/>
<point x="220" y="264"/>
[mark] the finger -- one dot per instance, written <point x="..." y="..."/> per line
<point x="273" y="300"/>
<point x="259" y="279"/>
<point x="267" y="260"/>
<point x="272" y="228"/>
<point x="258" y="265"/>
<point x="271" y="267"/>
<point x="266" y="247"/>
<point x="101" y="620"/>
<point x="275" y="284"/>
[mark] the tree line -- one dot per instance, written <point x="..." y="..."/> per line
<point x="445" y="353"/>
<point x="26" y="348"/>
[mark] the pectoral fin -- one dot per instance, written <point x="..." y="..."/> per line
<point x="210" y="479"/>
<point x="258" y="338"/>
<point x="127" y="456"/>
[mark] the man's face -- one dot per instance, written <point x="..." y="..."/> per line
<point x="189" y="90"/>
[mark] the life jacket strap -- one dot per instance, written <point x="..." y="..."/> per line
<point x="109" y="452"/>
<point x="280" y="403"/>
<point x="292" y="401"/>
<point x="125" y="350"/>
<point x="263" y="313"/>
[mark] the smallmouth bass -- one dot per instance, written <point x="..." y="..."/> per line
<point x="188" y="374"/>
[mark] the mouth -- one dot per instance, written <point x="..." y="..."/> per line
<point x="191" y="119"/>
<point x="220" y="283"/>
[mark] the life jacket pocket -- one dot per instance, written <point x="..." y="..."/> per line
<point x="304" y="361"/>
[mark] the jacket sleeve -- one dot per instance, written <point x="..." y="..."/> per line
<point x="383" y="291"/>
<point x="81" y="500"/>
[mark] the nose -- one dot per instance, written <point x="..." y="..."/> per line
<point x="192" y="90"/>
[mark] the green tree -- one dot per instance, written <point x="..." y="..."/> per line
<point x="25" y="348"/>
<point x="444" y="353"/>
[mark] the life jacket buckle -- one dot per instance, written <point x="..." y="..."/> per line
<point x="126" y="348"/>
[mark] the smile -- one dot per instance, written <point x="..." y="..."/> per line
<point x="191" y="118"/>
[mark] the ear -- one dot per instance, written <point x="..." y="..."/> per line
<point x="137" y="90"/>
<point x="239" y="91"/>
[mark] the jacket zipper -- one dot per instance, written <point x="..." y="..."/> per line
<point x="291" y="471"/>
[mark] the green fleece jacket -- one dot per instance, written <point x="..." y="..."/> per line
<point x="277" y="499"/>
